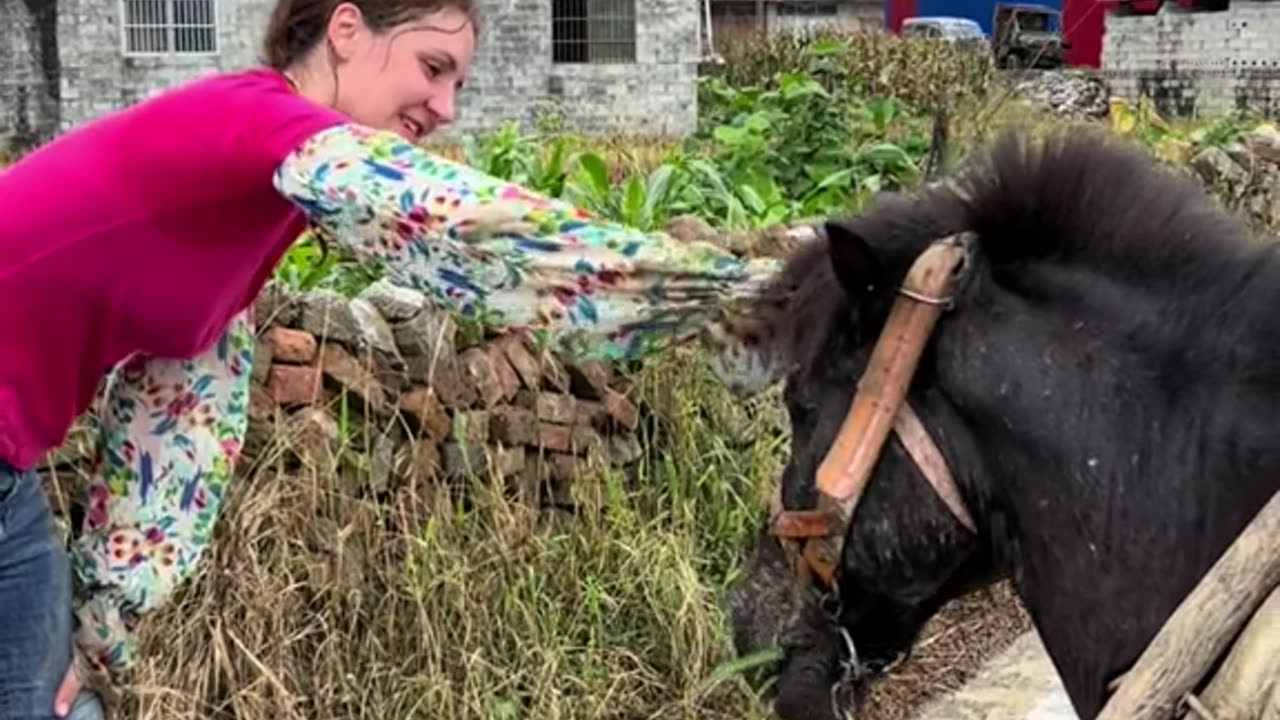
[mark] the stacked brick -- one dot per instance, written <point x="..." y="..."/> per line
<point x="498" y="405"/>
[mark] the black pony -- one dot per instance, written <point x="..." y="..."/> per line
<point x="1105" y="389"/>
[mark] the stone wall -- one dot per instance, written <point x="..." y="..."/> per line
<point x="514" y="77"/>
<point x="388" y="392"/>
<point x="1245" y="177"/>
<point x="1197" y="63"/>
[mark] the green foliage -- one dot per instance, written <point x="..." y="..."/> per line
<point x="642" y="201"/>
<point x="309" y="265"/>
<point x="805" y="143"/>
<point x="537" y="161"/>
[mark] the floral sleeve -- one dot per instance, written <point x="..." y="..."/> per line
<point x="170" y="431"/>
<point x="590" y="287"/>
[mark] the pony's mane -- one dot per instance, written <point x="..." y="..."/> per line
<point x="1075" y="198"/>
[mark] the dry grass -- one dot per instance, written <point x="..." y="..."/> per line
<point x="319" y="601"/>
<point x="952" y="647"/>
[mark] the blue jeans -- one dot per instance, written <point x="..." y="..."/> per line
<point x="36" y="621"/>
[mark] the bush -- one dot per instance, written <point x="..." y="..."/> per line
<point x="805" y="141"/>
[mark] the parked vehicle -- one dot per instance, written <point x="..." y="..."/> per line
<point x="1082" y="21"/>
<point x="1027" y="36"/>
<point x="961" y="31"/>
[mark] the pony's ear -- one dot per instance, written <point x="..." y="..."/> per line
<point x="855" y="264"/>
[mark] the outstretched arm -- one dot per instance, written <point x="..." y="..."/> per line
<point x="589" y="287"/>
<point x="170" y="432"/>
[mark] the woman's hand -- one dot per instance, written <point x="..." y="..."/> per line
<point x="70" y="687"/>
<point x="80" y="685"/>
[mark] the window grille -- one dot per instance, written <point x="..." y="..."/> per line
<point x="161" y="27"/>
<point x="593" y="31"/>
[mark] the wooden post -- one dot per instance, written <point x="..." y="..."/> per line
<point x="1247" y="686"/>
<point x="1203" y="624"/>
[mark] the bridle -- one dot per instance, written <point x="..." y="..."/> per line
<point x="814" y="539"/>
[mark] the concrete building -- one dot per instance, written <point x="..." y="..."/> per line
<point x="729" y="17"/>
<point x="607" y="66"/>
<point x="1193" y="59"/>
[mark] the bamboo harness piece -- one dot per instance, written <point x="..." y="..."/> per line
<point x="814" y="539"/>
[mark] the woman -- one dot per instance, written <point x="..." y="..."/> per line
<point x="181" y="207"/>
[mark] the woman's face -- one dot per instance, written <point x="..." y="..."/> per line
<point x="404" y="79"/>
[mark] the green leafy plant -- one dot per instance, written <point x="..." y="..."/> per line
<point x="805" y="143"/>
<point x="308" y="266"/>
<point x="640" y="201"/>
<point x="533" y="160"/>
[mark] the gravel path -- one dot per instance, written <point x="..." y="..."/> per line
<point x="1017" y="684"/>
<point x="952" y="648"/>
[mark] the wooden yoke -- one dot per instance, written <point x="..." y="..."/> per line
<point x="875" y="411"/>
<point x="1204" y="625"/>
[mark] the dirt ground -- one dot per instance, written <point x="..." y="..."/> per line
<point x="951" y="649"/>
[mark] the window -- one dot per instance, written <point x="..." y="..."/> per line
<point x="183" y="27"/>
<point x="593" y="31"/>
<point x="807" y="8"/>
<point x="734" y="9"/>
<point x="921" y="30"/>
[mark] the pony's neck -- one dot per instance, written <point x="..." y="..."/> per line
<point x="1110" y="460"/>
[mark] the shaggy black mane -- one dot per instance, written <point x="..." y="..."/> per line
<point x="1077" y="199"/>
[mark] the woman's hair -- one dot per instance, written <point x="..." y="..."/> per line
<point x="297" y="26"/>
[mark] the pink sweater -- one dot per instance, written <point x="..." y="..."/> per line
<point x="146" y="230"/>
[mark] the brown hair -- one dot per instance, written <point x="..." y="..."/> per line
<point x="297" y="26"/>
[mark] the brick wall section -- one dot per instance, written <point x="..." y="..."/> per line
<point x="514" y="77"/>
<point x="1197" y="63"/>
<point x="424" y="405"/>
<point x="98" y="78"/>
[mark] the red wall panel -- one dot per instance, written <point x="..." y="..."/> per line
<point x="1083" y="23"/>
<point x="895" y="11"/>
